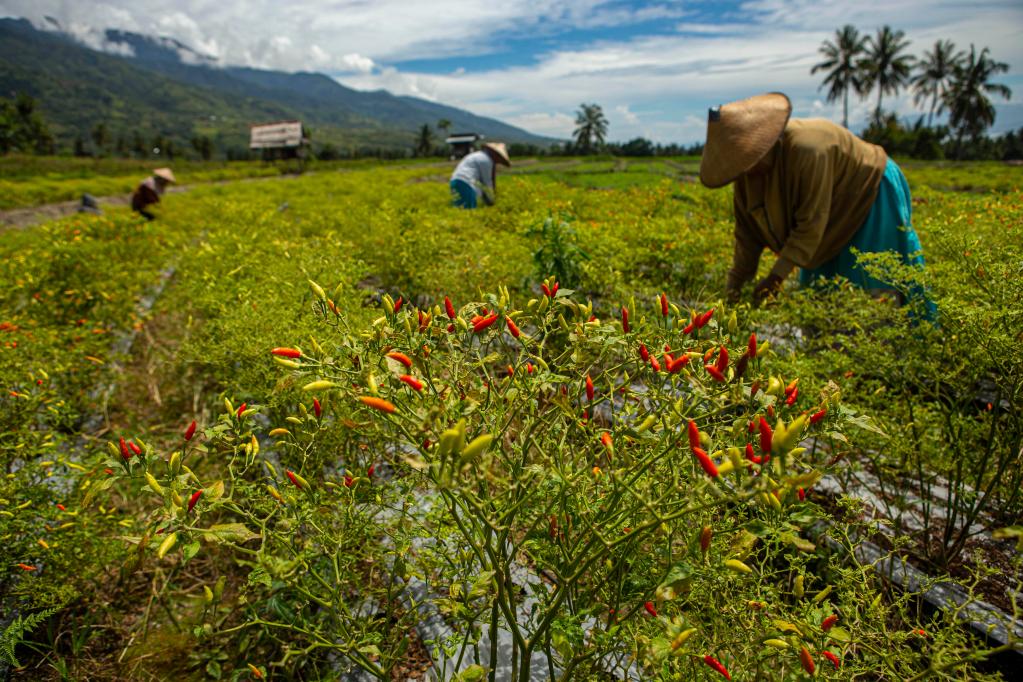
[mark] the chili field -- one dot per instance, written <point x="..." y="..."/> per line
<point x="328" y="427"/>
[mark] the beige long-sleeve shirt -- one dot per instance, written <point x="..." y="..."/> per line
<point x="818" y="191"/>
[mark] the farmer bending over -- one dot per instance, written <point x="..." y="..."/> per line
<point x="475" y="176"/>
<point x="149" y="191"/>
<point x="807" y="189"/>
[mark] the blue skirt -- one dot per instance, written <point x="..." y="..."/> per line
<point x="888" y="227"/>
<point x="462" y="194"/>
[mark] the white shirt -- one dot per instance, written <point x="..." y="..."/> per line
<point x="477" y="169"/>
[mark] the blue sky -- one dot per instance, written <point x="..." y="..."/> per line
<point x="655" y="67"/>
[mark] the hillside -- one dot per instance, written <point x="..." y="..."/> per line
<point x="155" y="94"/>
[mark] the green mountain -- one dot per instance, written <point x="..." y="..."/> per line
<point x="167" y="90"/>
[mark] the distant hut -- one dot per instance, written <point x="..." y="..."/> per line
<point x="462" y="143"/>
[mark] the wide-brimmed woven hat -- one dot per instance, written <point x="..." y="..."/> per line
<point x="499" y="149"/>
<point x="740" y="134"/>
<point x="165" y="173"/>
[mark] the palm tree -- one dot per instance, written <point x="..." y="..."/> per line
<point x="935" y="75"/>
<point x="592" y="127"/>
<point x="443" y="125"/>
<point x="885" y="65"/>
<point x="841" y="59"/>
<point x="970" y="110"/>
<point x="424" y="142"/>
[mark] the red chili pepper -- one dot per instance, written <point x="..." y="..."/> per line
<point x="752" y="457"/>
<point x="807" y="660"/>
<point x="717" y="666"/>
<point x="451" y="328"/>
<point x="752" y="426"/>
<point x="817" y="416"/>
<point x="317" y="408"/>
<point x="605" y="440"/>
<point x="482" y="324"/>
<point x="529" y="368"/>
<point x="833" y="658"/>
<point x="291" y="477"/>
<point x="664" y="305"/>
<point x="801" y="494"/>
<point x="400" y="357"/>
<point x="369" y="472"/>
<point x="134" y="448"/>
<point x="190" y="431"/>
<point x="702" y="320"/>
<point x="722" y="363"/>
<point x="754" y="388"/>
<point x="411" y="382"/>
<point x="589" y="388"/>
<point x="766" y="436"/>
<point x="241" y="408"/>
<point x="545" y="290"/>
<point x="677" y="364"/>
<point x="125" y="452"/>
<point x="449" y="308"/>
<point x="829" y="622"/>
<point x="287" y="352"/>
<point x="706" y="462"/>
<point x="554" y="289"/>
<point x="770" y="411"/>
<point x="644" y="353"/>
<point x="716" y="373"/>
<point x="649" y="606"/>
<point x="691" y="327"/>
<point x="706" y="534"/>
<point x="751" y="347"/>
<point x="625" y="319"/>
<point x="512" y="328"/>
<point x="397" y="305"/>
<point x="656" y="366"/>
<point x="377" y="403"/>
<point x="740" y="367"/>
<point x="510" y="370"/>
<point x="194" y="498"/>
<point x="61" y="507"/>
<point x="694" y="434"/>
<point x="26" y="567"/>
<point x="349" y="481"/>
<point x="791" y="399"/>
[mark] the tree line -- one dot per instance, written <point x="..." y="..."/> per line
<point x="943" y="79"/>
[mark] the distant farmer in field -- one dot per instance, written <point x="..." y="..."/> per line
<point x="149" y="191"/>
<point x="475" y="177"/>
<point x="807" y="189"/>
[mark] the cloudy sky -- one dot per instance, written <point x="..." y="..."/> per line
<point x="655" y="67"/>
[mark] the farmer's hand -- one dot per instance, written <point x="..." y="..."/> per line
<point x="767" y="288"/>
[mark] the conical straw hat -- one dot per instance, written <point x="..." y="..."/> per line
<point x="165" y="173"/>
<point x="740" y="134"/>
<point x="499" y="149"/>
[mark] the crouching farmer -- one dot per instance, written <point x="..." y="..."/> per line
<point x="150" y="190"/>
<point x="475" y="177"/>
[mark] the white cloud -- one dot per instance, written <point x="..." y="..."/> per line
<point x="356" y="62"/>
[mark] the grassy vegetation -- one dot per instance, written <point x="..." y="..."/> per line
<point x="902" y="399"/>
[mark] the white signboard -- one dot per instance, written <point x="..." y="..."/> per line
<point x="276" y="135"/>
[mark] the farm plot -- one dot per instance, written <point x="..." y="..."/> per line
<point x="583" y="465"/>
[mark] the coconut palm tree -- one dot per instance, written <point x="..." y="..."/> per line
<point x="592" y="127"/>
<point x="443" y="125"/>
<point x="935" y="75"/>
<point x="970" y="110"/>
<point x="841" y="58"/>
<point x="885" y="65"/>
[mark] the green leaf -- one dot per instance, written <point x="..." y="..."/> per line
<point x="474" y="673"/>
<point x="191" y="549"/>
<point x="839" y="634"/>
